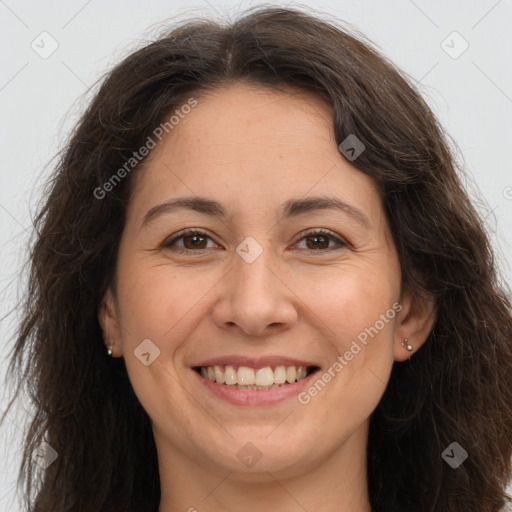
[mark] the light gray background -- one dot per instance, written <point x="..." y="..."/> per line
<point x="40" y="100"/>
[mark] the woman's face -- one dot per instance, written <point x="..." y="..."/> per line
<point x="258" y="292"/>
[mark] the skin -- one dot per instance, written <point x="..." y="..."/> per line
<point x="252" y="148"/>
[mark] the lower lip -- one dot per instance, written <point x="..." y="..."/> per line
<point x="255" y="396"/>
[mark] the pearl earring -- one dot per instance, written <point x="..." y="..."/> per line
<point x="109" y="349"/>
<point x="406" y="345"/>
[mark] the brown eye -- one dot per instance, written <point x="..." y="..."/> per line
<point x="193" y="241"/>
<point x="196" y="241"/>
<point x="319" y="240"/>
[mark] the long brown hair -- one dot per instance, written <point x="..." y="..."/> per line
<point x="455" y="389"/>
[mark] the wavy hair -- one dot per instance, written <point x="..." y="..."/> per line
<point x="455" y="389"/>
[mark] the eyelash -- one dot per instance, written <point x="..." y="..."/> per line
<point x="319" y="232"/>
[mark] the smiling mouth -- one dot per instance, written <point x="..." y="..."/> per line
<point x="245" y="377"/>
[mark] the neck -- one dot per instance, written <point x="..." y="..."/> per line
<point x="332" y="483"/>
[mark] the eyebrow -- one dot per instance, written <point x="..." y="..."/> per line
<point x="290" y="208"/>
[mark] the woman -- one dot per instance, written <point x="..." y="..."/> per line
<point x="263" y="225"/>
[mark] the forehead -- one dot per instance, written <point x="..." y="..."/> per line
<point x="232" y="122"/>
<point x="248" y="144"/>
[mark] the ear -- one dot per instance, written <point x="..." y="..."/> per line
<point x="109" y="322"/>
<point x="415" y="322"/>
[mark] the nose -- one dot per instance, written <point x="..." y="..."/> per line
<point x="256" y="299"/>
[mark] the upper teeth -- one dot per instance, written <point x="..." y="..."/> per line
<point x="247" y="376"/>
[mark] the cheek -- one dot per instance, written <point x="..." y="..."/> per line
<point x="356" y="313"/>
<point x="349" y="300"/>
<point x="357" y="318"/>
<point x="153" y="302"/>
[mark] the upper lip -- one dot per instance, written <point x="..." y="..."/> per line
<point x="254" y="362"/>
